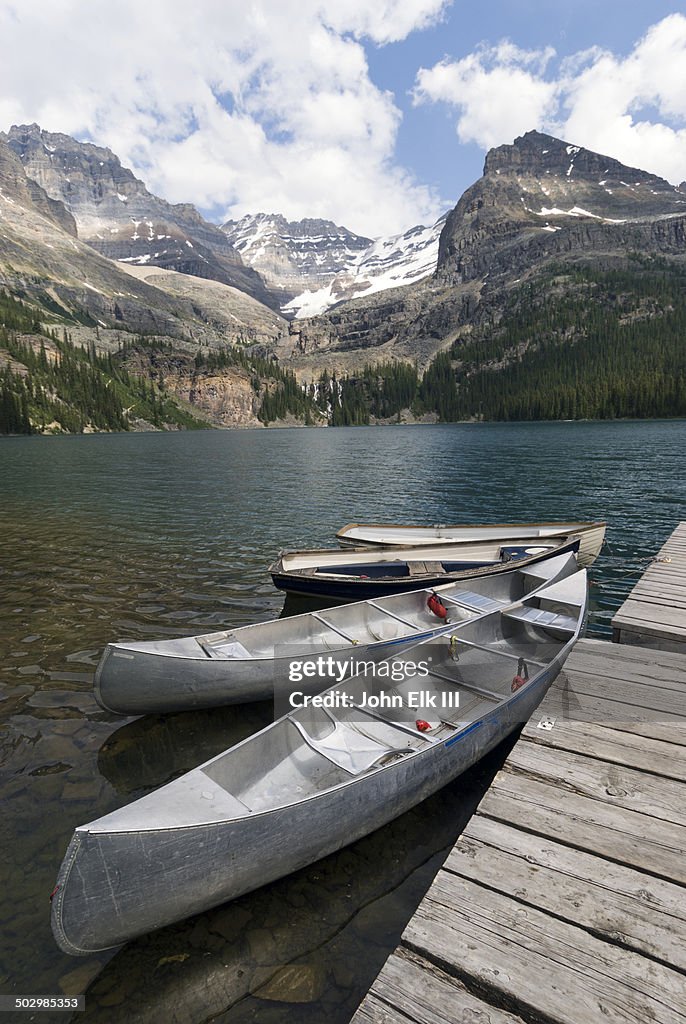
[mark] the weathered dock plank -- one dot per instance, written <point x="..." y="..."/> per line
<point x="409" y="980"/>
<point x="536" y="963"/>
<point x="654" y="613"/>
<point x="591" y="777"/>
<point x="617" y="747"/>
<point x="642" y="912"/>
<point x="619" y="835"/>
<point x="564" y="900"/>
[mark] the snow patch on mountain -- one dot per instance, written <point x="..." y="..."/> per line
<point x="387" y="263"/>
<point x="316" y="263"/>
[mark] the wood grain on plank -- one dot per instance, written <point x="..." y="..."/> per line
<point x="607" y="829"/>
<point x="616" y="902"/>
<point x="658" y="798"/>
<point x="605" y="743"/>
<point x="537" y="962"/>
<point x="412" y="989"/>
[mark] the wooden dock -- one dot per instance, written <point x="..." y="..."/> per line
<point x="654" y="614"/>
<point x="564" y="900"/>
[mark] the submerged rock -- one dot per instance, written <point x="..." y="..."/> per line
<point x="296" y="983"/>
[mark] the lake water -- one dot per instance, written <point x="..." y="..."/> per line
<point x="153" y="535"/>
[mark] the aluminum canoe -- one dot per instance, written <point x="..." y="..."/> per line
<point x="316" y="779"/>
<point x="591" y="534"/>
<point x="362" y="573"/>
<point x="239" y="665"/>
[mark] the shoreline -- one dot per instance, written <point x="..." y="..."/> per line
<point x="347" y="426"/>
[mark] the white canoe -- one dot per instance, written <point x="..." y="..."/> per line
<point x="355" y="574"/>
<point x="239" y="665"/>
<point x="592" y="534"/>
<point x="315" y="780"/>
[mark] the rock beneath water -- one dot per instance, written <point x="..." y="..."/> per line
<point x="176" y="958"/>
<point x="81" y="791"/>
<point x="262" y="945"/>
<point x="76" y="982"/>
<point x="54" y="768"/>
<point x="296" y="983"/>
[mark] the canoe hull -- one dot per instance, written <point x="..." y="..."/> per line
<point x="134" y="683"/>
<point x="375" y="535"/>
<point x="141" y="683"/>
<point x="114" y="886"/>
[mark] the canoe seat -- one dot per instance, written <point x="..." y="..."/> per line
<point x="348" y="748"/>
<point x="468" y="599"/>
<point x="541" y="617"/>
<point x="228" y="650"/>
<point x="424" y="568"/>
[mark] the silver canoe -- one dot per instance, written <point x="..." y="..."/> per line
<point x="315" y="780"/>
<point x="591" y="534"/>
<point x="239" y="665"/>
<point x="357" y="574"/>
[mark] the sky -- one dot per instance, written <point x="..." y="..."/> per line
<point x="376" y="114"/>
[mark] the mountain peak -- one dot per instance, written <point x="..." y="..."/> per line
<point x="538" y="191"/>
<point x="544" y="154"/>
<point x="293" y="256"/>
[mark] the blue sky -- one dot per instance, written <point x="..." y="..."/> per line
<point x="427" y="141"/>
<point x="374" y="115"/>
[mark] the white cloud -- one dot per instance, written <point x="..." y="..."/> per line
<point x="495" y="90"/>
<point x="632" y="108"/>
<point x="236" y="106"/>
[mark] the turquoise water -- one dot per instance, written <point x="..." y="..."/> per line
<point x="113" y="536"/>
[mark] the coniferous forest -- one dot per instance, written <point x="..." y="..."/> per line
<point x="576" y="343"/>
<point x="58" y="384"/>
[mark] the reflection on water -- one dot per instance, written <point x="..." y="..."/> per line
<point x="121" y="536"/>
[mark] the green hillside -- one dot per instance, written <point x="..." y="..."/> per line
<point x="575" y="344"/>
<point x="60" y="386"/>
<point x="47" y="383"/>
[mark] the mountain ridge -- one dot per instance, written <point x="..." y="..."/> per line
<point x="314" y="264"/>
<point x="543" y="213"/>
<point x="539" y="200"/>
<point x="117" y="215"/>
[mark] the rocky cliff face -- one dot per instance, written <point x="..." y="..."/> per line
<point x="315" y="264"/>
<point x="16" y="187"/>
<point x="294" y="256"/>
<point x="115" y="213"/>
<point x="540" y="187"/>
<point x="540" y="200"/>
<point x="224" y="398"/>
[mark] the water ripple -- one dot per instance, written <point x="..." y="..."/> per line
<point x="108" y="537"/>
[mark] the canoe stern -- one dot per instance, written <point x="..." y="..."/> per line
<point x="131" y="682"/>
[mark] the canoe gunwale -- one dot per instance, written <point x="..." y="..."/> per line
<point x="569" y="527"/>
<point x="446" y="758"/>
<point x="508" y="699"/>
